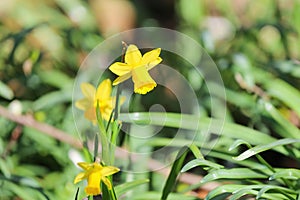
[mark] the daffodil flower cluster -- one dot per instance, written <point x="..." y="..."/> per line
<point x="135" y="65"/>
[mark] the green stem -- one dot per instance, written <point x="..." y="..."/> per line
<point x="103" y="137"/>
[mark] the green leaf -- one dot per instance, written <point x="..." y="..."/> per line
<point x="5" y="91"/>
<point x="237" y="143"/>
<point x="293" y="174"/>
<point x="125" y="187"/>
<point x="76" y="195"/>
<point x="4" y="168"/>
<point x="56" y="78"/>
<point x="177" y="165"/>
<point x="238" y="191"/>
<point x="192" y="122"/>
<point x="200" y="162"/>
<point x="52" y="99"/>
<point x="235" y="173"/>
<point x="96" y="145"/>
<point x="156" y="195"/>
<point x="290" y="131"/>
<point x="196" y="151"/>
<point x="284" y="92"/>
<point x="242" y="192"/>
<point x="265" y="147"/>
<point x="223" y="190"/>
<point x="291" y="194"/>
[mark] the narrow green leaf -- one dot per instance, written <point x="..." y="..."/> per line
<point x="237" y="143"/>
<point x="291" y="194"/>
<point x="192" y="122"/>
<point x="4" y="168"/>
<point x="284" y="92"/>
<point x="196" y="151"/>
<point x="156" y="195"/>
<point x="96" y="145"/>
<point x="77" y="192"/>
<point x="235" y="173"/>
<point x="290" y="131"/>
<point x="55" y="78"/>
<point x="293" y="174"/>
<point x="177" y="165"/>
<point x="265" y="147"/>
<point x="125" y="187"/>
<point x="200" y="162"/>
<point x="242" y="192"/>
<point x="52" y="98"/>
<point x="5" y="91"/>
<point x="223" y="190"/>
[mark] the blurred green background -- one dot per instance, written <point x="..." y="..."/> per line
<point x="255" y="44"/>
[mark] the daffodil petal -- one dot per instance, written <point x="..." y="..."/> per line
<point x="107" y="182"/>
<point x="119" y="68"/>
<point x="88" y="90"/>
<point x="153" y="63"/>
<point x="83" y="104"/>
<point x="150" y="56"/>
<point x="104" y="90"/>
<point x="84" y="165"/>
<point x="109" y="170"/>
<point x="81" y="176"/>
<point x="121" y="79"/>
<point x="133" y="55"/>
<point x="90" y="114"/>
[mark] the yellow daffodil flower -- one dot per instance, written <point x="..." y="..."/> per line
<point x="102" y="95"/>
<point x="95" y="173"/>
<point x="137" y="67"/>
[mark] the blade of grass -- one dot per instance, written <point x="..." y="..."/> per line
<point x="125" y="187"/>
<point x="177" y="165"/>
<point x="265" y="147"/>
<point x="234" y="173"/>
<point x="200" y="162"/>
<point x="293" y="174"/>
<point x="291" y="194"/>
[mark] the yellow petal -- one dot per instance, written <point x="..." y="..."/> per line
<point x="121" y="79"/>
<point x="150" y="56"/>
<point x="142" y="80"/>
<point x="119" y="68"/>
<point x="106" y="181"/>
<point x="83" y="104"/>
<point x="88" y="90"/>
<point x="103" y="90"/>
<point x="81" y="176"/>
<point x="153" y="63"/>
<point x="90" y="114"/>
<point x="106" y="112"/>
<point x="133" y="55"/>
<point x="84" y="165"/>
<point x="109" y="170"/>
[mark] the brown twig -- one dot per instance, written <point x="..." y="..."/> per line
<point x="153" y="165"/>
<point x="28" y="120"/>
<point x="16" y="133"/>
